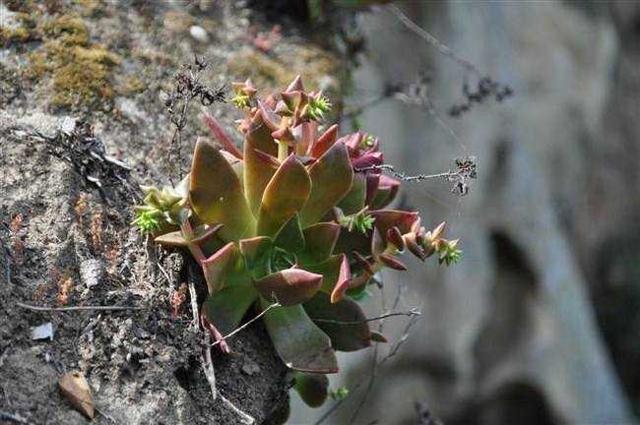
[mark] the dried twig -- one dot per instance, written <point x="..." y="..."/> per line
<point x="244" y="417"/>
<point x="465" y="171"/>
<point x="78" y="308"/>
<point x="207" y="366"/>
<point x="241" y="328"/>
<point x="6" y="416"/>
<point x="410" y="313"/>
<point x="441" y="47"/>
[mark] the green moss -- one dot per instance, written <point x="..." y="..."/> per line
<point x="131" y="85"/>
<point x="272" y="72"/>
<point x="13" y="35"/>
<point x="81" y="71"/>
<point x="26" y="31"/>
<point x="68" y="29"/>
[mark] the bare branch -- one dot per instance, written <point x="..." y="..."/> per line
<point x="410" y="313"/>
<point x="207" y="366"/>
<point x="239" y="329"/>
<point x="78" y="308"/>
<point x="9" y="417"/>
<point x="244" y="417"/>
<point x="426" y="36"/>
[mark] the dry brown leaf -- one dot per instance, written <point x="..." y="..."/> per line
<point x="75" y="388"/>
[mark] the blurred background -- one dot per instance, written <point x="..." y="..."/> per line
<point x="540" y="322"/>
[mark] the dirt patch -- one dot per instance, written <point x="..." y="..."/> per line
<point x="66" y="241"/>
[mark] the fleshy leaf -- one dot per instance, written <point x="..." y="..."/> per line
<point x="284" y="196"/>
<point x="299" y="342"/>
<point x="228" y="306"/>
<point x="387" y="190"/>
<point x="257" y="253"/>
<point x="312" y="388"/>
<point x="221" y="135"/>
<point x="290" y="237"/>
<point x="352" y="335"/>
<point x="354" y="200"/>
<point x="216" y="194"/>
<point x="386" y="219"/>
<point x="320" y="239"/>
<point x="218" y="266"/>
<point x="336" y="276"/>
<point x="325" y="141"/>
<point x="257" y="171"/>
<point x="331" y="178"/>
<point x="173" y="239"/>
<point x="290" y="286"/>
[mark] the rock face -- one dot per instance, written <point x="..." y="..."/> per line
<point x="85" y="81"/>
<point x="69" y="242"/>
<point x="550" y="229"/>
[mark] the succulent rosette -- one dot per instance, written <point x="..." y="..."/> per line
<point x="296" y="217"/>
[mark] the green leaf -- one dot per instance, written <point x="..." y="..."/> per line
<point x="312" y="388"/>
<point x="219" y="266"/>
<point x="216" y="194"/>
<point x="352" y="334"/>
<point x="290" y="286"/>
<point x="298" y="341"/>
<point x="354" y="200"/>
<point x="171" y="239"/>
<point x="336" y="275"/>
<point x="331" y="177"/>
<point x="386" y="219"/>
<point x="325" y="141"/>
<point x="257" y="255"/>
<point x="320" y="239"/>
<point x="227" y="307"/>
<point x="284" y="196"/>
<point x="257" y="170"/>
<point x="290" y="237"/>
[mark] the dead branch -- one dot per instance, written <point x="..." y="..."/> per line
<point x="410" y="313"/>
<point x="6" y="416"/>
<point x="239" y="329"/>
<point x="426" y="36"/>
<point x="78" y="308"/>
<point x="244" y="417"/>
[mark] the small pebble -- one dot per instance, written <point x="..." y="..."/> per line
<point x="44" y="331"/>
<point x="199" y="33"/>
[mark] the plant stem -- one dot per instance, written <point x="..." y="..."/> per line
<point x="283" y="151"/>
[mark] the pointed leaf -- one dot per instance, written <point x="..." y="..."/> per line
<point x="219" y="265"/>
<point x="257" y="171"/>
<point x="284" y="196"/>
<point x="290" y="286"/>
<point x="299" y="342"/>
<point x="216" y="194"/>
<point x="325" y="141"/>
<point x="387" y="190"/>
<point x="221" y="135"/>
<point x="386" y="219"/>
<point x="320" y="239"/>
<point x="172" y="239"/>
<point x="378" y="337"/>
<point x="227" y="307"/>
<point x="290" y="237"/>
<point x="312" y="388"/>
<point x="354" y="200"/>
<point x="331" y="178"/>
<point x="336" y="275"/>
<point x="352" y="334"/>
<point x="257" y="253"/>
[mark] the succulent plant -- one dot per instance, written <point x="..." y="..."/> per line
<point x="292" y="219"/>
